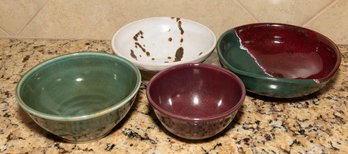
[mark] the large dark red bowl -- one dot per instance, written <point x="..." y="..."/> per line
<point x="279" y="60"/>
<point x="195" y="101"/>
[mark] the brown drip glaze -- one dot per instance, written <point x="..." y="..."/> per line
<point x="137" y="44"/>
<point x="178" y="20"/>
<point x="179" y="54"/>
<point x="133" y="55"/>
<point x="180" y="51"/>
<point x="136" y="36"/>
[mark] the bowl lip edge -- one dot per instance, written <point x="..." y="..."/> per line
<point x="158" y="67"/>
<point x="98" y="113"/>
<point x="287" y="80"/>
<point x="225" y="114"/>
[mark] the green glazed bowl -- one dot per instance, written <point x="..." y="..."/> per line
<point x="81" y="96"/>
<point x="279" y="60"/>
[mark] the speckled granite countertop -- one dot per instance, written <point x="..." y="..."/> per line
<point x="314" y="124"/>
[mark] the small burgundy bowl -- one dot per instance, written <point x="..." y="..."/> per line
<point x="195" y="101"/>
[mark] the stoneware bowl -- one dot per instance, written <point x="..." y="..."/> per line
<point x="195" y="101"/>
<point x="81" y="96"/>
<point x="279" y="60"/>
<point x="156" y="43"/>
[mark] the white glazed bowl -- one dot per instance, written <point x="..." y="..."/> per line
<point x="156" y="43"/>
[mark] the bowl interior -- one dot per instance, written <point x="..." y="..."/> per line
<point x="162" y="40"/>
<point x="79" y="84"/>
<point x="195" y="92"/>
<point x="278" y="50"/>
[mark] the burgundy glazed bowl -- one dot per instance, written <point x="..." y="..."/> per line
<point x="279" y="60"/>
<point x="195" y="101"/>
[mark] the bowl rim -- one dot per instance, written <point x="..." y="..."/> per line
<point x="204" y="66"/>
<point x="166" y="65"/>
<point x="285" y="80"/>
<point x="98" y="113"/>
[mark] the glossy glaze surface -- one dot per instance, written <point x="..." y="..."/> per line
<point x="285" y="51"/>
<point x="279" y="60"/>
<point x="193" y="94"/>
<point x="156" y="43"/>
<point x="79" y="96"/>
<point x="313" y="124"/>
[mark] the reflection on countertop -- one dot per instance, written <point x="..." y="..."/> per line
<point x="317" y="123"/>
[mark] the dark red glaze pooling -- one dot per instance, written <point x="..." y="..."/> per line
<point x="287" y="51"/>
<point x="196" y="92"/>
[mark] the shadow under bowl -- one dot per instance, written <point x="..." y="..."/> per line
<point x="279" y="60"/>
<point x="81" y="96"/>
<point x="195" y="101"/>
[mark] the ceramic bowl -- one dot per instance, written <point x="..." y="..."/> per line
<point x="195" y="101"/>
<point x="81" y="96"/>
<point x="156" y="43"/>
<point x="279" y="60"/>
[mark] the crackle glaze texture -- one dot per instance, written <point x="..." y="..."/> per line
<point x="317" y="123"/>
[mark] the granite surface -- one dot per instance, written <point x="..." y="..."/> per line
<point x="317" y="123"/>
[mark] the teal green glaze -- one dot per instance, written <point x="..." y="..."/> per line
<point x="275" y="87"/>
<point x="237" y="60"/>
<point x="79" y="96"/>
<point x="240" y="60"/>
